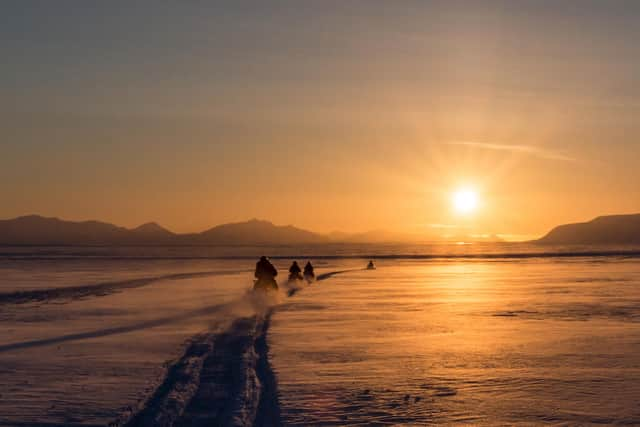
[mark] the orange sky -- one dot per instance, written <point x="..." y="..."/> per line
<point x="351" y="117"/>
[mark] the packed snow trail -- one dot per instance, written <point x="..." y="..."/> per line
<point x="223" y="379"/>
<point x="117" y="329"/>
<point x="98" y="289"/>
<point x="212" y="384"/>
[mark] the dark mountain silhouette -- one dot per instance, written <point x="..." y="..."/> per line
<point x="150" y="234"/>
<point x="259" y="232"/>
<point x="610" y="230"/>
<point x="38" y="230"/>
<point x="152" y="229"/>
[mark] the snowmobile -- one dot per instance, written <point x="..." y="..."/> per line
<point x="309" y="276"/>
<point x="265" y="284"/>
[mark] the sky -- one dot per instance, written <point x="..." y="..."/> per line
<point x="331" y="115"/>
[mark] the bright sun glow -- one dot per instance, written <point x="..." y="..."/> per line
<point x="465" y="201"/>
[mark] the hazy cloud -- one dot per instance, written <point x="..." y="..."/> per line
<point x="443" y="226"/>
<point x="541" y="152"/>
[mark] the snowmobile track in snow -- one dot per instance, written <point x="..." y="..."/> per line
<point x="223" y="379"/>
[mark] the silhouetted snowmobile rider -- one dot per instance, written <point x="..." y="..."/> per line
<point x="265" y="275"/>
<point x="309" y="274"/>
<point x="294" y="272"/>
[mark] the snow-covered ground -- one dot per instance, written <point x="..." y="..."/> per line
<point x="29" y="275"/>
<point x="527" y="341"/>
<point x="87" y="360"/>
<point x="416" y="341"/>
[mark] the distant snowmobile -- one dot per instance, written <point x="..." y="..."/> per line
<point x="309" y="274"/>
<point x="295" y="273"/>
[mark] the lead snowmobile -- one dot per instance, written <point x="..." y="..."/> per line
<point x="265" y="276"/>
<point x="265" y="284"/>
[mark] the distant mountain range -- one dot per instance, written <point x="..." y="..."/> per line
<point x="38" y="230"/>
<point x="603" y="230"/>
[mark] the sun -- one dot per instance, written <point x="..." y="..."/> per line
<point x="465" y="201"/>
